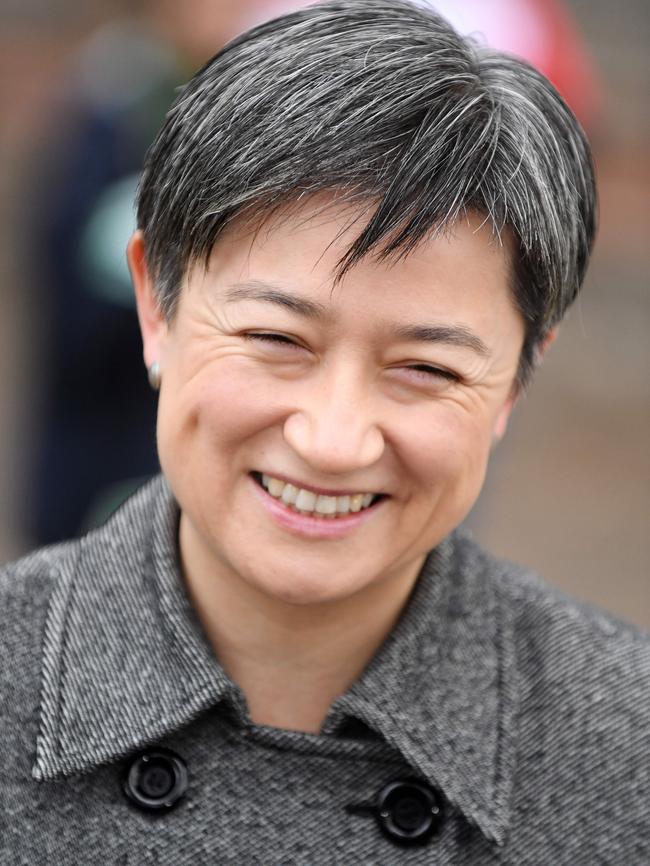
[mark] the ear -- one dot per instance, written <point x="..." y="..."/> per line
<point x="153" y="325"/>
<point x="501" y="422"/>
<point x="546" y="343"/>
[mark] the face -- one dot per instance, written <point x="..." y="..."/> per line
<point x="280" y="385"/>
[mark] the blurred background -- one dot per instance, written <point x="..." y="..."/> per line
<point x="83" y="88"/>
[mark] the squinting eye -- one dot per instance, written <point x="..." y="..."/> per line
<point x="427" y="372"/>
<point x="277" y="339"/>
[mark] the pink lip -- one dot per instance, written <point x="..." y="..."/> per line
<point x="312" y="527"/>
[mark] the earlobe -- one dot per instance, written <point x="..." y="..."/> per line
<point x="501" y="422"/>
<point x="546" y="343"/>
<point x="153" y="325"/>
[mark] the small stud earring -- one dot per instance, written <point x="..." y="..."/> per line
<point x="154" y="375"/>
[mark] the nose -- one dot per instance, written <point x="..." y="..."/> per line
<point x="333" y="429"/>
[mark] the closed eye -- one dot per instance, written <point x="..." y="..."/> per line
<point x="424" y="372"/>
<point x="277" y="339"/>
<point x="427" y="371"/>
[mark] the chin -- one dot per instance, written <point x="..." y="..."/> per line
<point x="301" y="592"/>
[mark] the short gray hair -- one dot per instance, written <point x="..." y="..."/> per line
<point x="384" y="103"/>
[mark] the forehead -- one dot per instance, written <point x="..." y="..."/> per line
<point x="300" y="248"/>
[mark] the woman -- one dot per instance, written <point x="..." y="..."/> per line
<point x="357" y="235"/>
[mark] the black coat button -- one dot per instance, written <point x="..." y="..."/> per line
<point x="409" y="811"/>
<point x="156" y="780"/>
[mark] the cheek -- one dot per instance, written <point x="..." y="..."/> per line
<point x="223" y="404"/>
<point x="449" y="449"/>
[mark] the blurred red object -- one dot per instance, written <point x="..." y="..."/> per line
<point x="540" y="31"/>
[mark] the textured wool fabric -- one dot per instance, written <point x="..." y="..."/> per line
<point x="527" y="713"/>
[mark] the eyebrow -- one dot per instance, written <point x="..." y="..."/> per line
<point x="454" y="335"/>
<point x="257" y="290"/>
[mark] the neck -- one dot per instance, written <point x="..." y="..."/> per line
<point x="291" y="660"/>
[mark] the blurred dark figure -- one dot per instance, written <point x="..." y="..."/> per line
<point x="97" y="423"/>
<point x="96" y="439"/>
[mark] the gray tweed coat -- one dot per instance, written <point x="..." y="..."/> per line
<point x="500" y="723"/>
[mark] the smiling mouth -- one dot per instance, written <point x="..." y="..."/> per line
<point x="313" y="504"/>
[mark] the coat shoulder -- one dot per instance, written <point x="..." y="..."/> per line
<point x="570" y="627"/>
<point x="27" y="591"/>
<point x="26" y="584"/>
<point x="583" y="677"/>
<point x="572" y="656"/>
<point x="541" y="609"/>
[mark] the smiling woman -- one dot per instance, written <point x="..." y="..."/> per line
<point x="357" y="233"/>
<point x="358" y="387"/>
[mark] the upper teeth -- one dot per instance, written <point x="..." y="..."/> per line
<point x="309" y="502"/>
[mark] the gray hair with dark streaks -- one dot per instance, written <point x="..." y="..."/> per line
<point x="382" y="102"/>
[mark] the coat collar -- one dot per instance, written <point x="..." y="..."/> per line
<point x="125" y="663"/>
<point x="124" y="658"/>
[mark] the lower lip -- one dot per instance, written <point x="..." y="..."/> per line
<point x="313" y="527"/>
